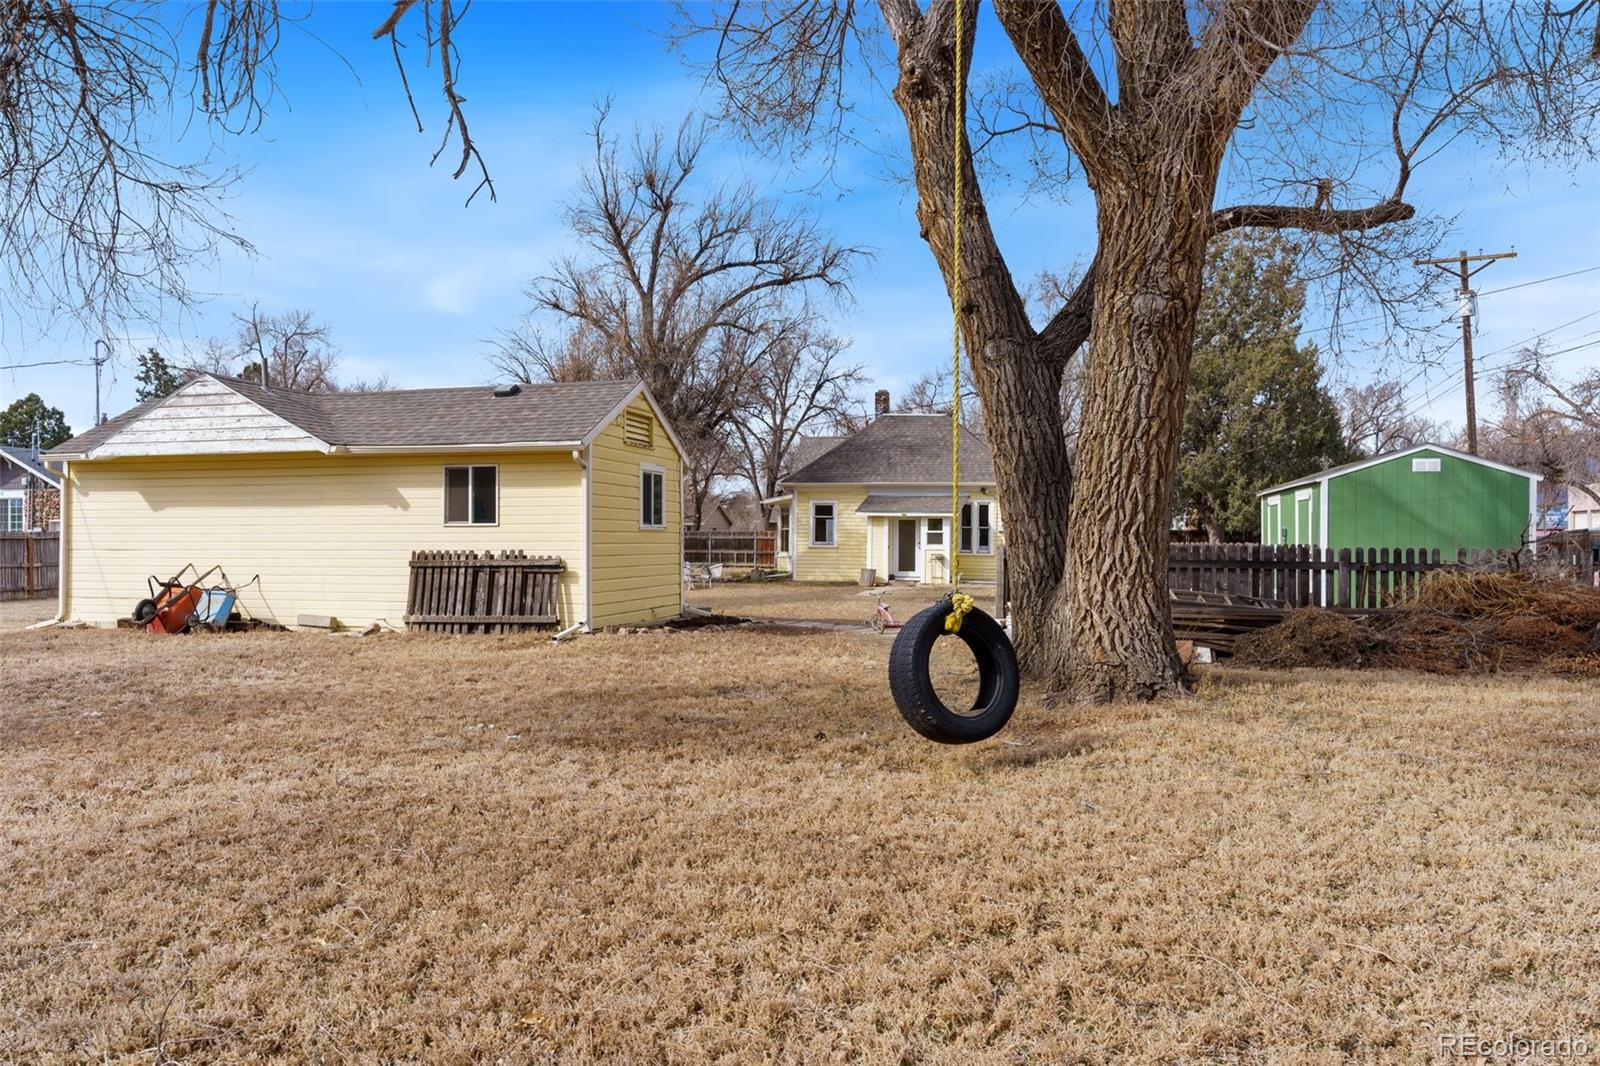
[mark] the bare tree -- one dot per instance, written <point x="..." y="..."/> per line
<point x="102" y="212"/>
<point x="688" y="286"/>
<point x="1378" y="420"/>
<point x="1383" y="85"/>
<point x="801" y="384"/>
<point x="290" y="351"/>
<point x="1548" y="423"/>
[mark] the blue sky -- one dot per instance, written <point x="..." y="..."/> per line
<point x="350" y="221"/>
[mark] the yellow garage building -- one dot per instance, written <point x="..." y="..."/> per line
<point x="324" y="497"/>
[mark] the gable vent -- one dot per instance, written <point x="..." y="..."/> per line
<point x="638" y="429"/>
<point x="503" y="391"/>
<point x="1424" y="466"/>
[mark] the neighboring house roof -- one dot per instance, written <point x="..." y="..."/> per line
<point x="1362" y="464"/>
<point x="32" y="463"/>
<point x="809" y="449"/>
<point x="540" y="414"/>
<point x="899" y="450"/>
<point x="908" y="506"/>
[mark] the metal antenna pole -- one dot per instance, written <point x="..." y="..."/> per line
<point x="99" y="361"/>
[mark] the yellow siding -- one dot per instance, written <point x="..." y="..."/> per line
<point x="328" y="534"/>
<point x="844" y="561"/>
<point x="638" y="573"/>
<point x="857" y="547"/>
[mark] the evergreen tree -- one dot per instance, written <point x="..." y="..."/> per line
<point x="155" y="378"/>
<point x="1257" y="410"/>
<point x="17" y="424"/>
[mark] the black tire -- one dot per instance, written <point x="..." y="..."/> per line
<point x="913" y="689"/>
<point x="144" y="611"/>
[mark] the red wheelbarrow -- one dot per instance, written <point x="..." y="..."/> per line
<point x="179" y="603"/>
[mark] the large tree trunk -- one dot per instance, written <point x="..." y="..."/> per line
<point x="1113" y="614"/>
<point x="1018" y="373"/>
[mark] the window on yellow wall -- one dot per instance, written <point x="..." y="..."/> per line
<point x="823" y="529"/>
<point x="472" y="495"/>
<point x="652" y="497"/>
<point x="977" y="533"/>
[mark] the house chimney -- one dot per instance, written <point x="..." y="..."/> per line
<point x="880" y="402"/>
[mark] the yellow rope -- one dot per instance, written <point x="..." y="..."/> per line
<point x="960" y="604"/>
<point x="954" y="539"/>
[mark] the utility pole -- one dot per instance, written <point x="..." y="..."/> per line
<point x="99" y="361"/>
<point x="1458" y="265"/>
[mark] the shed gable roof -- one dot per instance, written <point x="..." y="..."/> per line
<point x="898" y="450"/>
<point x="1362" y="464"/>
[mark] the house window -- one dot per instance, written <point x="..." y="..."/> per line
<point x="785" y="530"/>
<point x="822" y="525"/>
<point x="471" y="495"/>
<point x="977" y="535"/>
<point x="13" y="515"/>
<point x="935" y="536"/>
<point x="1424" y="466"/>
<point x="652" y="497"/>
<point x="638" y="430"/>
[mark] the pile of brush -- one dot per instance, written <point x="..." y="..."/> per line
<point x="1458" y="622"/>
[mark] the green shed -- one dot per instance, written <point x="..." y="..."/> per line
<point x="1426" y="497"/>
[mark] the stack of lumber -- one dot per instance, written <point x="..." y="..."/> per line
<point x="1215" y="620"/>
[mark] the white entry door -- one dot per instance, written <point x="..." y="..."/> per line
<point x="905" y="547"/>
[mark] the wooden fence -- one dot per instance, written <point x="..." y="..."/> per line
<point x="1363" y="579"/>
<point x="468" y="592"/>
<point x="730" y="548"/>
<point x="30" y="565"/>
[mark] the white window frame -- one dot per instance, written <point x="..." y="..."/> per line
<point x="928" y="533"/>
<point x="646" y="472"/>
<point x="833" y="524"/>
<point x="21" y="511"/>
<point x="967" y="540"/>
<point x="472" y="488"/>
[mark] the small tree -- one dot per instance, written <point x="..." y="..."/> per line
<point x="25" y="417"/>
<point x="1378" y="420"/>
<point x="155" y="377"/>
<point x="1257" y="412"/>
<point x="1547" y="423"/>
<point x="291" y="350"/>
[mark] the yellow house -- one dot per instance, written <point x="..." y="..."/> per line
<point x="322" y="498"/>
<point x="880" y="500"/>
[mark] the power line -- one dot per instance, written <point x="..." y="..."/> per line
<point x="1540" y="281"/>
<point x="1444" y="388"/>
<point x="48" y="362"/>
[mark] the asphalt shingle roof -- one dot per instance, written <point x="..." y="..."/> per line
<point x="899" y="449"/>
<point x="549" y="413"/>
<point x="879" y="503"/>
<point x="35" y="465"/>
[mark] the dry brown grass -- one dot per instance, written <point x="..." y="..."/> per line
<point x="724" y="846"/>
<point x="20" y="614"/>
<point x="845" y="604"/>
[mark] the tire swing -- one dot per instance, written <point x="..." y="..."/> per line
<point x="910" y="679"/>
